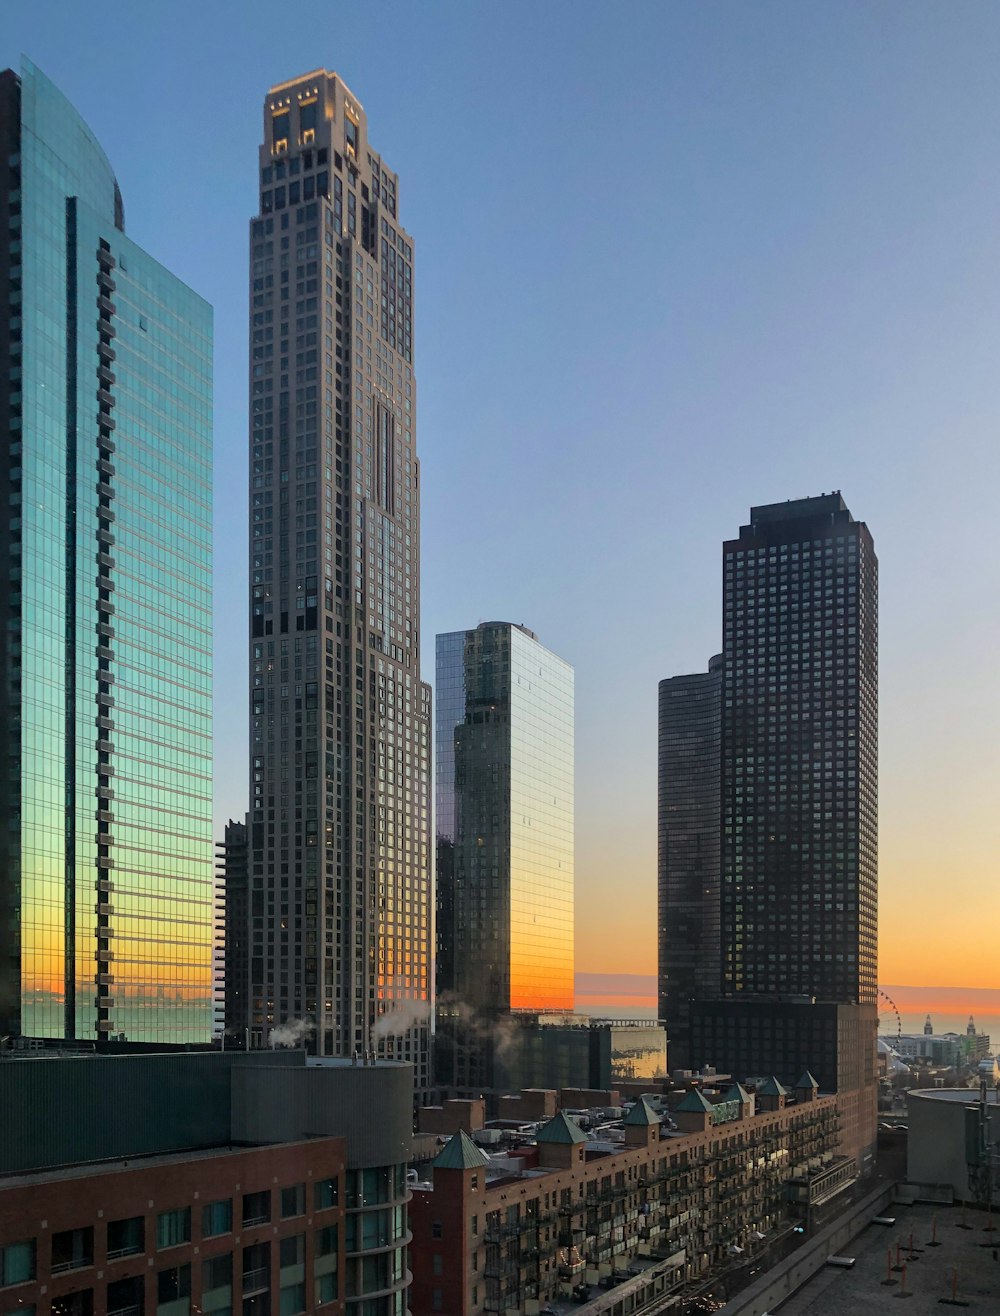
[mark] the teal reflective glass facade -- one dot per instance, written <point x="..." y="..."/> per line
<point x="107" y="863"/>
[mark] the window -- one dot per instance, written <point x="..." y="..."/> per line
<point x="293" y="1201"/>
<point x="173" y="1227"/>
<point x="436" y="1230"/>
<point x="17" y="1263"/>
<point x="80" y="1303"/>
<point x="324" y="1194"/>
<point x="173" y="1291"/>
<point x="326" y="1288"/>
<point x="293" y="1299"/>
<point x="257" y="1207"/>
<point x="217" y="1283"/>
<point x="217" y="1218"/>
<point x="126" y="1237"/>
<point x="326" y="1241"/>
<point x="72" y="1249"/>
<point x="437" y="1300"/>
<point x="279" y="131"/>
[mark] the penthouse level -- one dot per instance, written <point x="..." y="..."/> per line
<point x="564" y="1212"/>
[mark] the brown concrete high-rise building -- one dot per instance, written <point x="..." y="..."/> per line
<point x="340" y="909"/>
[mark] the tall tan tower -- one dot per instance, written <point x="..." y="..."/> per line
<point x="340" y="911"/>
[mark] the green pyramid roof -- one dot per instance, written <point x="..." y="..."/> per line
<point x="738" y="1093"/>
<point x="807" y="1081"/>
<point x="641" y="1113"/>
<point x="772" y="1088"/>
<point x="560" y="1129"/>
<point x="695" y="1101"/>
<point x="461" y="1153"/>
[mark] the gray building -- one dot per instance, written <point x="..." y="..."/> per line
<point x="504" y="777"/>
<point x="106" y="884"/>
<point x="688" y="818"/>
<point x="340" y="891"/>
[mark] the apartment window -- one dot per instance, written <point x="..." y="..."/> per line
<point x="324" y="1194"/>
<point x="217" y="1218"/>
<point x="173" y="1291"/>
<point x="217" y="1283"/>
<point x="437" y="1300"/>
<point x="436" y="1229"/>
<point x="257" y="1208"/>
<point x="293" y="1201"/>
<point x="17" y="1263"/>
<point x="80" y="1303"/>
<point x="173" y="1227"/>
<point x="326" y="1241"/>
<point x="72" y="1249"/>
<point x="126" y="1237"/>
<point x="292" y="1255"/>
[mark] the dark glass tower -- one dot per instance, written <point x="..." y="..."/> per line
<point x="690" y="744"/>
<point x="799" y="754"/>
<point x="339" y="793"/>
<point x="106" y="883"/>
<point x="504" y="775"/>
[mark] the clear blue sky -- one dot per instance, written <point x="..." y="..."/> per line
<point x="672" y="259"/>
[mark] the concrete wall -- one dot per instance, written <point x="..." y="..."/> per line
<point x="369" y="1105"/>
<point x="783" y="1279"/>
<point x="935" y="1146"/>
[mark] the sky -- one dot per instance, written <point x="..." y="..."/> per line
<point x="672" y="260"/>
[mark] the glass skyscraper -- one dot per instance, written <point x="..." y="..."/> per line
<point x="340" y="893"/>
<point x="504" y="776"/>
<point x="106" y="868"/>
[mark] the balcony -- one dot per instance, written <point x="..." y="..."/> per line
<point x="256" y="1281"/>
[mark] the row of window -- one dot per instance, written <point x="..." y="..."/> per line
<point x="73" y="1249"/>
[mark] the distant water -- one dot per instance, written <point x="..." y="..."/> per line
<point x="633" y="996"/>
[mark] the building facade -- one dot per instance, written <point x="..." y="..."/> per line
<point x="800" y="754"/>
<point x="211" y="1181"/>
<point x="504" y="779"/>
<point x="106" y="883"/>
<point x="560" y="1216"/>
<point x="233" y="874"/>
<point x="799" y="876"/>
<point x="339" y="794"/>
<point x="688" y="817"/>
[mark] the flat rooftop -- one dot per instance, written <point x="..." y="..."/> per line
<point x="833" y="1292"/>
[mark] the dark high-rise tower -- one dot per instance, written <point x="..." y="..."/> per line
<point x="105" y="588"/>
<point x="799" y="809"/>
<point x="690" y="743"/>
<point x="339" y="794"/>
<point x="799" y="754"/>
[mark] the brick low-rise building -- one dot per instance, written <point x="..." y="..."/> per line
<point x="580" y="1209"/>
<point x="212" y="1182"/>
<point x="252" y="1229"/>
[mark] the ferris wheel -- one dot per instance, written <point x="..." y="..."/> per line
<point x="892" y="1006"/>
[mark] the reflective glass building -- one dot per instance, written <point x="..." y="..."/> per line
<point x="340" y="886"/>
<point x="504" y="777"/>
<point x="105" y="579"/>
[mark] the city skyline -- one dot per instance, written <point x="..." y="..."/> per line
<point x="891" y="376"/>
